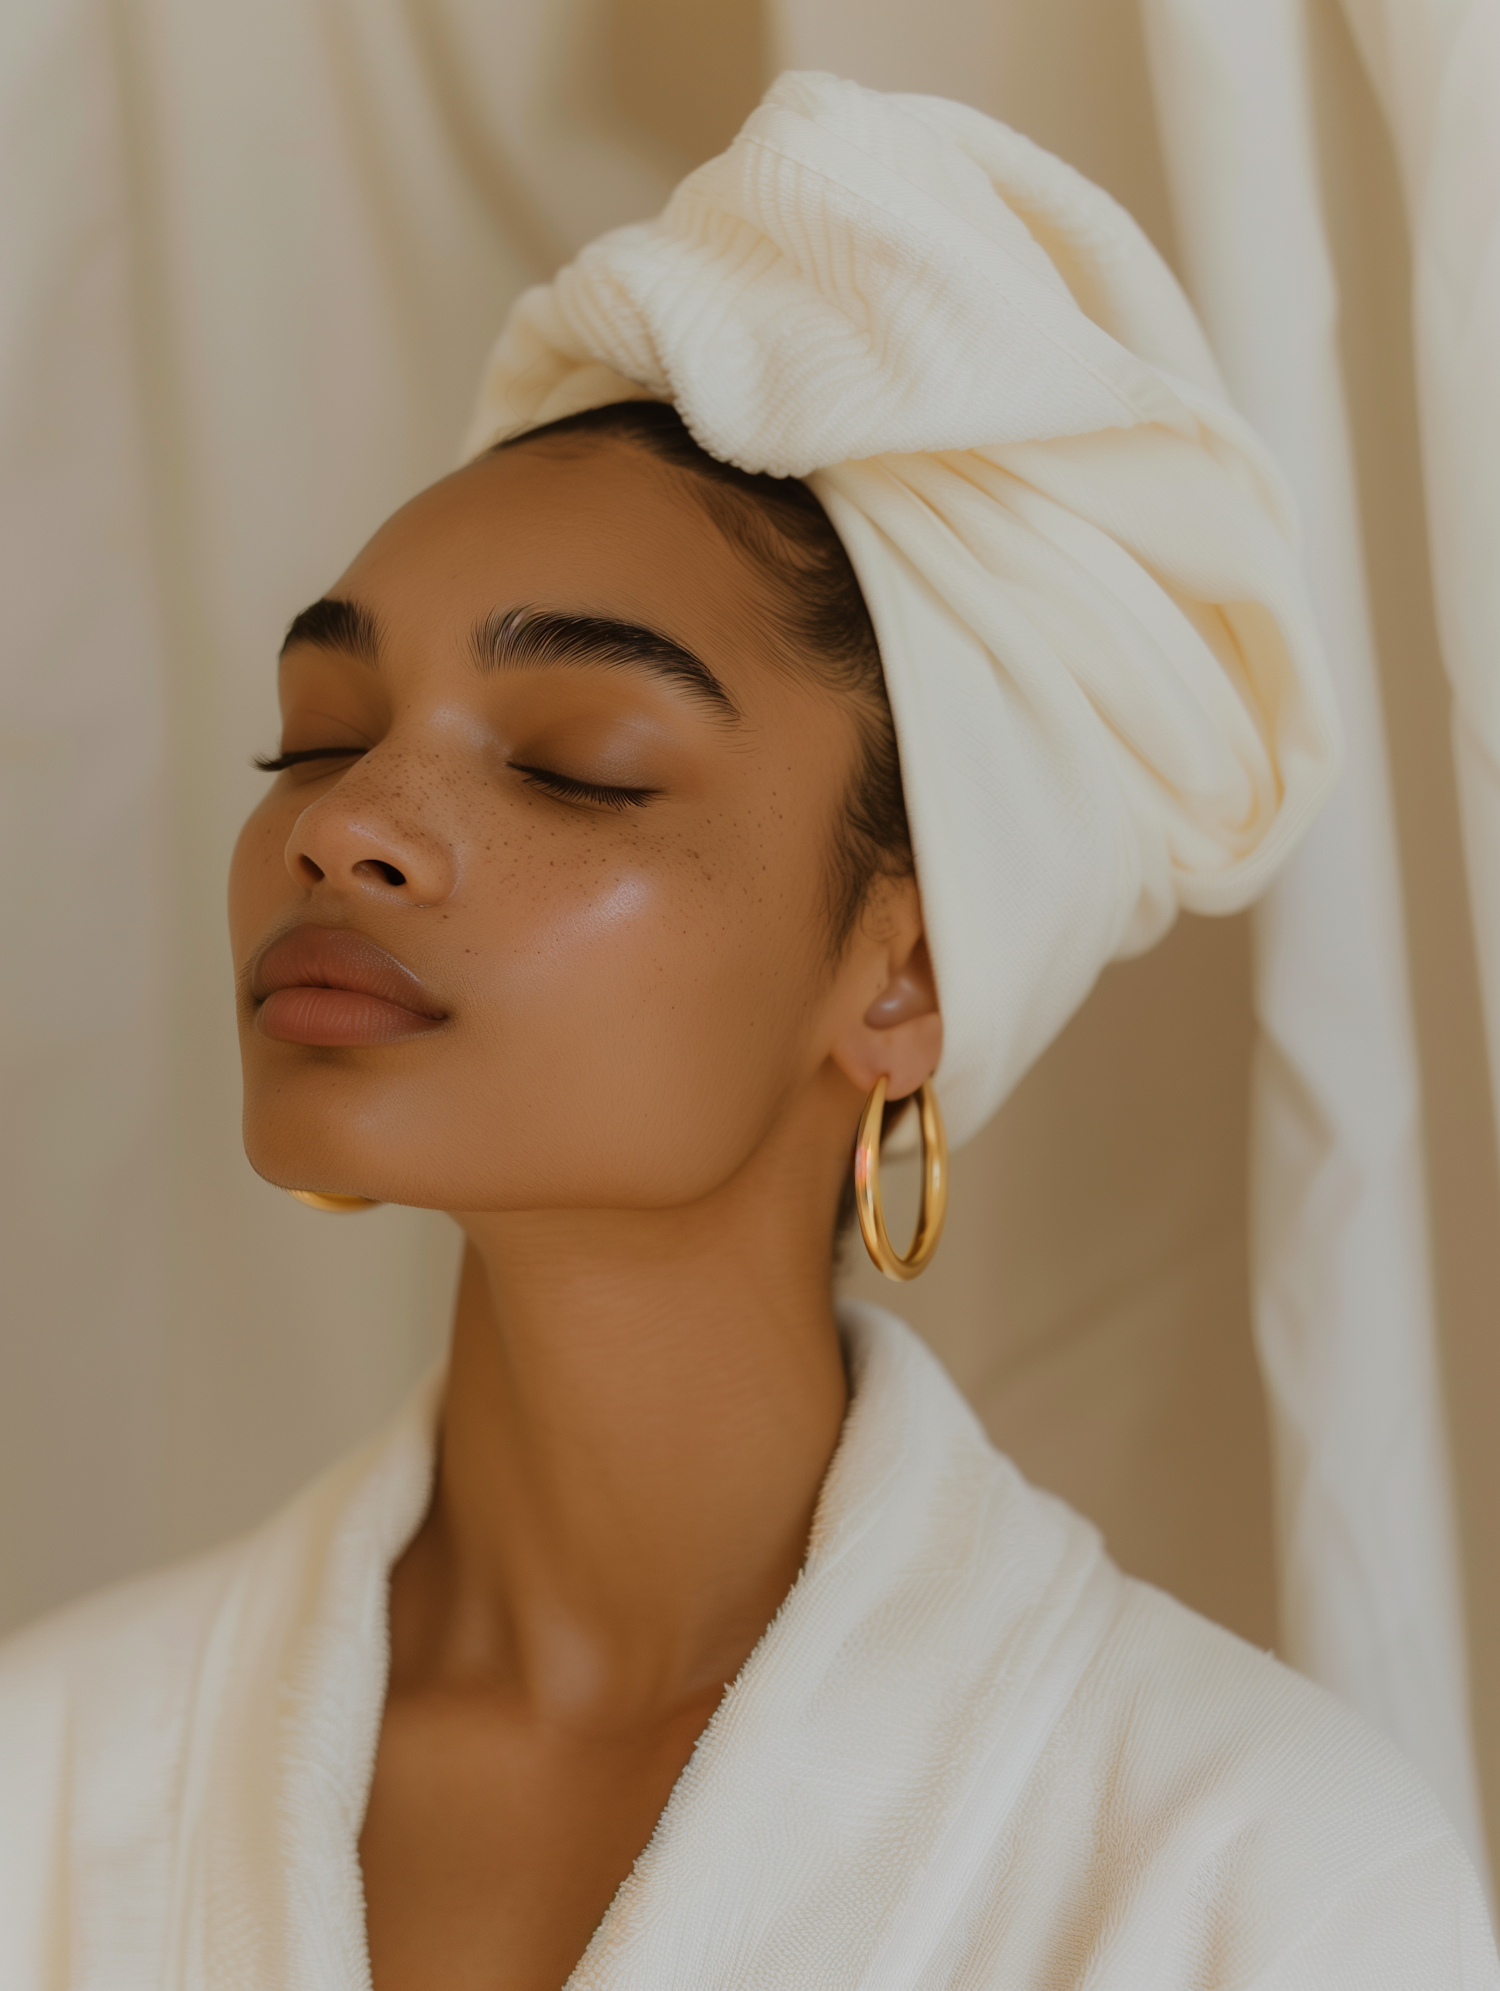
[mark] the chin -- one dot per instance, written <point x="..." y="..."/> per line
<point x="321" y="1165"/>
<point x="317" y="1122"/>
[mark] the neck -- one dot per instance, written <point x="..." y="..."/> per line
<point x="640" y="1411"/>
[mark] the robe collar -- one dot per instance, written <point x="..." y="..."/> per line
<point x="836" y="1812"/>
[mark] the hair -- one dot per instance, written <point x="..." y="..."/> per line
<point x="819" y="620"/>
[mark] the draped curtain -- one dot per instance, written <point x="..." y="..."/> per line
<point x="1342" y="1282"/>
<point x="251" y="259"/>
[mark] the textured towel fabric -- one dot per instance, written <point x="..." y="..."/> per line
<point x="967" y="1753"/>
<point x="1107" y="688"/>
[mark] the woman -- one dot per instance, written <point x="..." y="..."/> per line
<point x="645" y="819"/>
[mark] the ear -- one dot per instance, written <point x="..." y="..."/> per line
<point x="896" y="1030"/>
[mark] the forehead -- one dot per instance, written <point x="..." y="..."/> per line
<point x="590" y="524"/>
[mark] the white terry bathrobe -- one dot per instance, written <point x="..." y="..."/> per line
<point x="966" y="1753"/>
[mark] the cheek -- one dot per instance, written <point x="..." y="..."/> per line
<point x="630" y="1014"/>
<point x="641" y="1012"/>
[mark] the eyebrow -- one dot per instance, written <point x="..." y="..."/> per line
<point x="331" y="624"/>
<point x="524" y="638"/>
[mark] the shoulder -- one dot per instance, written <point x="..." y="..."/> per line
<point x="130" y="1660"/>
<point x="145" y="1724"/>
<point x="1207" y="1724"/>
<point x="1148" y="1799"/>
<point x="1218" y="1818"/>
<point x="103" y="1687"/>
<point x="104" y="1706"/>
<point x="95" y="1714"/>
<point x="159" y="1639"/>
<point x="118" y="1641"/>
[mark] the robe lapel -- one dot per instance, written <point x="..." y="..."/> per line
<point x="291" y="1707"/>
<point x="843" y="1800"/>
<point x="840" y="1805"/>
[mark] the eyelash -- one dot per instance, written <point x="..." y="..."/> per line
<point x="565" y="787"/>
<point x="300" y="754"/>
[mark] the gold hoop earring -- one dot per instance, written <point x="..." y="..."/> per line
<point x="336" y="1206"/>
<point x="934" y="1205"/>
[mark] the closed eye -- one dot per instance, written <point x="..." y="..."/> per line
<point x="567" y="788"/>
<point x="300" y="754"/>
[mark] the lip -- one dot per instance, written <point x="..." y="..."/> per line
<point x="326" y="985"/>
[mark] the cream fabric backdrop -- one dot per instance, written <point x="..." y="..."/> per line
<point x="1341" y="1278"/>
<point x="1436" y="69"/>
<point x="252" y="258"/>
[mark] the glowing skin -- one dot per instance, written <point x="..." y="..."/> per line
<point x="610" y="1037"/>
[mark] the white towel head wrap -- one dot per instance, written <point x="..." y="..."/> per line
<point x="1107" y="689"/>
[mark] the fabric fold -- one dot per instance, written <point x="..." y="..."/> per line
<point x="1371" y="1600"/>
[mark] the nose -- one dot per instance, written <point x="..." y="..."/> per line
<point x="362" y="837"/>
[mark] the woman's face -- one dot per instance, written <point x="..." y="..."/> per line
<point x="549" y="925"/>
